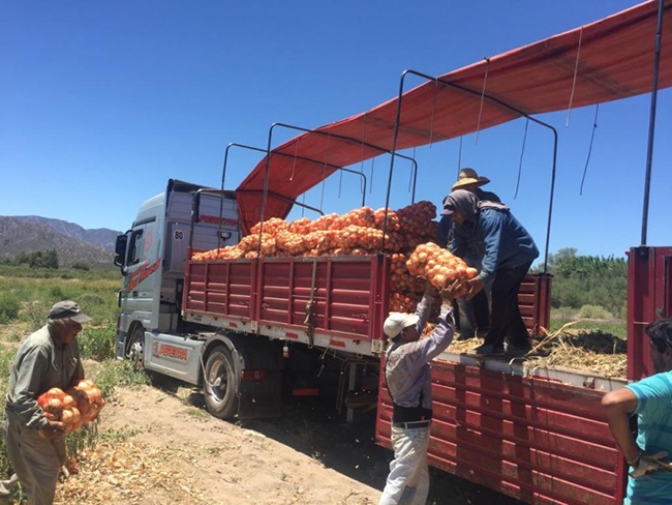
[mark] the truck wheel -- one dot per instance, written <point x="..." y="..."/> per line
<point x="221" y="384"/>
<point x="135" y="348"/>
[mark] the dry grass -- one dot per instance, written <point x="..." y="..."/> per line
<point x="584" y="351"/>
<point x="131" y="472"/>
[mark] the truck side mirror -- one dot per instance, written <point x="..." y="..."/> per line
<point x="120" y="252"/>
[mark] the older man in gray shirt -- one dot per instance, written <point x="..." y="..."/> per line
<point x="49" y="358"/>
<point x="409" y="383"/>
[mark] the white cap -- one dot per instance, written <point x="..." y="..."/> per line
<point x="397" y="321"/>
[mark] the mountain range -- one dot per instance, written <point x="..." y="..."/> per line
<point x="72" y="242"/>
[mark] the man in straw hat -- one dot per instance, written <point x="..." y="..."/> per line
<point x="506" y="253"/>
<point x="471" y="181"/>
<point x="474" y="314"/>
<point x="407" y="372"/>
<point x="48" y="358"/>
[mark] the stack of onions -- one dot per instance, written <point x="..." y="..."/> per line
<point x="89" y="399"/>
<point x="404" y="302"/>
<point x="74" y="407"/>
<point x="356" y="233"/>
<point x="271" y="227"/>
<point x="402" y="281"/>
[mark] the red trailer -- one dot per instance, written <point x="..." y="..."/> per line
<point x="537" y="435"/>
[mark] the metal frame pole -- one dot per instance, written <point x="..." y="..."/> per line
<point x="497" y="102"/>
<point x="652" y="122"/>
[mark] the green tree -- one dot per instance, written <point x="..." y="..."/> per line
<point x="587" y="280"/>
<point x="38" y="259"/>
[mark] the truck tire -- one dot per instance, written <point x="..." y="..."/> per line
<point x="221" y="384"/>
<point x="135" y="348"/>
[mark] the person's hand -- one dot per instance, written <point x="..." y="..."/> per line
<point x="452" y="291"/>
<point x="430" y="290"/>
<point x="474" y="286"/>
<point x="53" y="431"/>
<point x="648" y="463"/>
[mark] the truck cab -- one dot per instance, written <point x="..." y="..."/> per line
<point x="169" y="227"/>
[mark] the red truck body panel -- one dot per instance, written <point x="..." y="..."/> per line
<point x="649" y="299"/>
<point x="220" y="288"/>
<point x="349" y="298"/>
<point x="534" y="299"/>
<point x="527" y="437"/>
<point x="338" y="303"/>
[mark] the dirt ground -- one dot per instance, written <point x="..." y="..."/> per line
<point x="160" y="446"/>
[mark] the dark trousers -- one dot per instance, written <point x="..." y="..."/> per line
<point x="474" y="315"/>
<point x="505" y="318"/>
<point x="481" y="310"/>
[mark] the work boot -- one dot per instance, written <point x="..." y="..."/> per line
<point x="487" y="350"/>
<point x="482" y="332"/>
<point x="518" y="350"/>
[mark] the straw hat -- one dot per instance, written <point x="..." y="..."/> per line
<point x="469" y="176"/>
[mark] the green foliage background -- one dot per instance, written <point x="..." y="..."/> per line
<point x="588" y="280"/>
<point x="38" y="259"/>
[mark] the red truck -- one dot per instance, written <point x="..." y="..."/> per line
<point x="236" y="327"/>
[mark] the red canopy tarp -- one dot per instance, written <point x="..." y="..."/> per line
<point x="615" y="60"/>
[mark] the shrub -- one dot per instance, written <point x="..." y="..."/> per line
<point x="80" y="265"/>
<point x="623" y="312"/>
<point x="57" y="293"/>
<point x="36" y="314"/>
<point x="97" y="343"/>
<point x="594" y="312"/>
<point x="119" y="373"/>
<point x="9" y="307"/>
<point x="563" y="313"/>
<point x="38" y="259"/>
<point x="6" y="360"/>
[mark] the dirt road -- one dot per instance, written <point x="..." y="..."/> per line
<point x="160" y="446"/>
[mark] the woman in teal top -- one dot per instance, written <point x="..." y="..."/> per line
<point x="650" y="399"/>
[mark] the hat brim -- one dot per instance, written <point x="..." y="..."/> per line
<point x="469" y="181"/>
<point x="80" y="318"/>
<point x="411" y="320"/>
<point x="447" y="212"/>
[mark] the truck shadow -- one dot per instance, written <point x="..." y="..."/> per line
<point x="314" y="427"/>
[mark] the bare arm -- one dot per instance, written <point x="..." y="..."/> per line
<point x="618" y="405"/>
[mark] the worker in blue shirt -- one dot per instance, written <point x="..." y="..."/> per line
<point x="650" y="480"/>
<point x="474" y="314"/>
<point x="506" y="251"/>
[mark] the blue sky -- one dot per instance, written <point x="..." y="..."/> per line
<point x="102" y="102"/>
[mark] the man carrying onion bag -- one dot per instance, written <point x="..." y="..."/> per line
<point x="507" y="251"/>
<point x="407" y="372"/>
<point x="474" y="313"/>
<point x="48" y="358"/>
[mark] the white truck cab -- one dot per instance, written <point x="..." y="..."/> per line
<point x="152" y="255"/>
